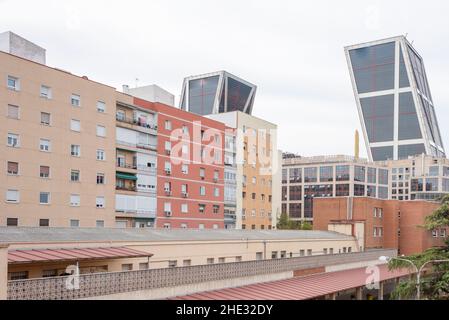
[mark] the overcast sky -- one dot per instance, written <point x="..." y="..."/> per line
<point x="292" y="50"/>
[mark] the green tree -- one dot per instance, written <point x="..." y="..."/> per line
<point x="283" y="223"/>
<point x="435" y="282"/>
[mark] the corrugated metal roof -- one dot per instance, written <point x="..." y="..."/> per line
<point x="29" y="234"/>
<point x="299" y="288"/>
<point x="55" y="255"/>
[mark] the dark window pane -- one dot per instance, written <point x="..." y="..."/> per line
<point x="238" y="94"/>
<point x="410" y="150"/>
<point x="403" y="77"/>
<point x="342" y="190"/>
<point x="295" y="193"/>
<point x="342" y="173"/>
<point x="326" y="174"/>
<point x="374" y="67"/>
<point x="202" y="94"/>
<point x="408" y="119"/>
<point x="295" y="175"/>
<point x="12" y="222"/>
<point x="294" y="210"/>
<point x="382" y="153"/>
<point x="359" y="173"/>
<point x="359" y="190"/>
<point x="310" y="174"/>
<point x="378" y="113"/>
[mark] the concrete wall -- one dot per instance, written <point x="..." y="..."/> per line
<point x="3" y="271"/>
<point x="18" y="46"/>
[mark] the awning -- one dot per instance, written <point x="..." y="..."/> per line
<point x="126" y="176"/>
<point x="299" y="288"/>
<point x="78" y="254"/>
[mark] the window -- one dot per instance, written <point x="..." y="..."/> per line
<point x="101" y="131"/>
<point x="221" y="260"/>
<point x="44" y="145"/>
<point x="101" y="107"/>
<point x="326" y="174"/>
<point x="13" y="83"/>
<point x="201" y="208"/>
<point x="274" y="254"/>
<point x="13" y="140"/>
<point x="75" y="100"/>
<point x="172" y="263"/>
<point x="44" y="222"/>
<point x="74" y="200"/>
<point x="45" y="118"/>
<point x="45" y="92"/>
<point x="44" y="197"/>
<point x="167" y="167"/>
<point x="202" y="191"/>
<point x="13" y="112"/>
<point x="13" y="168"/>
<point x="75" y="175"/>
<point x="100" y="178"/>
<point x="359" y="190"/>
<point x="143" y="266"/>
<point x="127" y="267"/>
<point x="44" y="171"/>
<point x="120" y="115"/>
<point x="185" y="169"/>
<point x="167" y="125"/>
<point x="202" y="173"/>
<point x="254" y="180"/>
<point x="99" y="223"/>
<point x="359" y="173"/>
<point x="184" y="208"/>
<point x="185" y="129"/>
<point x="100" y="203"/>
<point x="215" y="226"/>
<point x="216" y="175"/>
<point x="435" y="233"/>
<point x="21" y="275"/>
<point x="432" y="184"/>
<point x="167" y="146"/>
<point x="216" y="208"/>
<point x="310" y="174"/>
<point x="101" y="156"/>
<point x="75" y="125"/>
<point x="372" y="173"/>
<point x="75" y="150"/>
<point x="12" y="222"/>
<point x="216" y="192"/>
<point x="12" y="196"/>
<point x="443" y="233"/>
<point x="185" y="149"/>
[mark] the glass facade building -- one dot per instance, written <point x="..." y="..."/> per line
<point x="394" y="100"/>
<point x="217" y="92"/>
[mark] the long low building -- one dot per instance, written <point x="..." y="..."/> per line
<point x="47" y="252"/>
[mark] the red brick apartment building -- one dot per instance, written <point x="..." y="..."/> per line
<point x="387" y="223"/>
<point x="190" y="174"/>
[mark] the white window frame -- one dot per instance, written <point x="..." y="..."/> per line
<point x="49" y="118"/>
<point x="185" y="169"/>
<point x="202" y="190"/>
<point x="45" y="92"/>
<point x="100" y="127"/>
<point x="48" y="198"/>
<point x="100" y="174"/>
<point x="12" y="137"/>
<point x="75" y="150"/>
<point x="101" y="107"/>
<point x="18" y="111"/>
<point x="102" y="153"/>
<point x="168" y="125"/>
<point x="75" y="125"/>
<point x="16" y="86"/>
<point x="100" y="202"/>
<point x="75" y="200"/>
<point x="10" y="199"/>
<point x="216" y="192"/>
<point x="184" y="208"/>
<point x="45" y="145"/>
<point x="75" y="97"/>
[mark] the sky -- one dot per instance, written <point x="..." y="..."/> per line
<point x="292" y="50"/>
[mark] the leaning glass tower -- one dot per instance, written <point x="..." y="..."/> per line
<point x="217" y="92"/>
<point x="394" y="100"/>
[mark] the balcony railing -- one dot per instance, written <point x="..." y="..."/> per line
<point x="126" y="165"/>
<point x="136" y="122"/>
<point x="124" y="188"/>
<point x="147" y="146"/>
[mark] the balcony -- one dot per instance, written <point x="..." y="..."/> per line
<point x="126" y="188"/>
<point x="123" y="165"/>
<point x="149" y="128"/>
<point x="147" y="146"/>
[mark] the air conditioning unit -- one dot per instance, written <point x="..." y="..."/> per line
<point x="185" y="194"/>
<point x="167" y="152"/>
<point x="168" y="192"/>
<point x="168" y="171"/>
<point x="202" y="178"/>
<point x="168" y="213"/>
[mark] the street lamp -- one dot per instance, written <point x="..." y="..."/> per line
<point x="418" y="271"/>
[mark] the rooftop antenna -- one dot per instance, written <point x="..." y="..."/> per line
<point x="137" y="82"/>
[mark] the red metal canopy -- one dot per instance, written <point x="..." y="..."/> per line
<point x="56" y="255"/>
<point x="299" y="288"/>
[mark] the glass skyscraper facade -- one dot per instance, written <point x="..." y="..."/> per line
<point x="394" y="100"/>
<point x="217" y="92"/>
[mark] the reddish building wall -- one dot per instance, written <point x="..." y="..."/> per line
<point x="401" y="221"/>
<point x="191" y="138"/>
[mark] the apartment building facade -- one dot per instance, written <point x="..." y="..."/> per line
<point x="257" y="170"/>
<point x="190" y="169"/>
<point x="58" y="152"/>
<point x="136" y="160"/>
<point x="386" y="223"/>
<point x="307" y="178"/>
